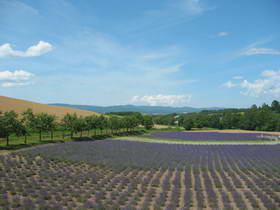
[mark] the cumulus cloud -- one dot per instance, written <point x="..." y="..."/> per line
<point x="268" y="84"/>
<point x="220" y="34"/>
<point x="17" y="75"/>
<point x="229" y="84"/>
<point x="16" y="78"/>
<point x="163" y="100"/>
<point x="260" y="51"/>
<point x="36" y="50"/>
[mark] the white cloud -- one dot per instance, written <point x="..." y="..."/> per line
<point x="17" y="75"/>
<point x="36" y="50"/>
<point x="229" y="84"/>
<point x="269" y="84"/>
<point x="259" y="51"/>
<point x="220" y="34"/>
<point x="163" y="100"/>
<point x="237" y="77"/>
<point x="15" y="84"/>
<point x="16" y="78"/>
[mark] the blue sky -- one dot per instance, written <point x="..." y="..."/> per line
<point x="161" y="52"/>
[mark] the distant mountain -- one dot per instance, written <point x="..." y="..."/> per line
<point x="142" y="109"/>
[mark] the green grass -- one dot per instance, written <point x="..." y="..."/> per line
<point x="198" y="142"/>
<point x="33" y="140"/>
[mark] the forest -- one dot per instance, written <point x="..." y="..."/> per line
<point x="262" y="118"/>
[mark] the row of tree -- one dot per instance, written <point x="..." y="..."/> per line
<point x="263" y="118"/>
<point x="12" y="123"/>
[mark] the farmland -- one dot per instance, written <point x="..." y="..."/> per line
<point x="18" y="105"/>
<point x="122" y="174"/>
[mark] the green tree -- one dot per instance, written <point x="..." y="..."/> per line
<point x="91" y="122"/>
<point x="188" y="123"/>
<point x="275" y="106"/>
<point x="50" y="124"/>
<point x="26" y="123"/>
<point x="102" y="123"/>
<point x="68" y="123"/>
<point x="79" y="125"/>
<point x="43" y="122"/>
<point x="39" y="122"/>
<point x="148" y="122"/>
<point x="9" y="124"/>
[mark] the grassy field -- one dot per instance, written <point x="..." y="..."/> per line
<point x="198" y="142"/>
<point x="58" y="137"/>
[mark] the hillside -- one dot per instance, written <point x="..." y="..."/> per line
<point x="141" y="109"/>
<point x="18" y="105"/>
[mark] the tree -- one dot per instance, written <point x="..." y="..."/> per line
<point x="130" y="122"/>
<point x="68" y="123"/>
<point x="26" y="123"/>
<point x="148" y="122"/>
<point x="9" y="124"/>
<point x="102" y="123"/>
<point x="79" y="125"/>
<point x="275" y="106"/>
<point x="39" y="122"/>
<point x="21" y="130"/>
<point x="91" y="123"/>
<point x="188" y="123"/>
<point x="43" y="122"/>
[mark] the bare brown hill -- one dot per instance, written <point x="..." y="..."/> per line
<point x="18" y="105"/>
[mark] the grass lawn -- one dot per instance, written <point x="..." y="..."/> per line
<point x="179" y="141"/>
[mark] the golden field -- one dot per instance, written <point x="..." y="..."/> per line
<point x="18" y="105"/>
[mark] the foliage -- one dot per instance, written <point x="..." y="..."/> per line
<point x="263" y="118"/>
<point x="148" y="122"/>
<point x="9" y="124"/>
<point x="188" y="123"/>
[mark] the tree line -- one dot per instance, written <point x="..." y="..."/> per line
<point x="27" y="122"/>
<point x="262" y="118"/>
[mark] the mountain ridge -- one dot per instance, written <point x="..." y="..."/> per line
<point x="135" y="108"/>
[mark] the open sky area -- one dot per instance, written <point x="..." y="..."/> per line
<point x="197" y="53"/>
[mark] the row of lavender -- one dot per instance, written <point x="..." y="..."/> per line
<point x="214" y="136"/>
<point x="154" y="155"/>
<point x="32" y="183"/>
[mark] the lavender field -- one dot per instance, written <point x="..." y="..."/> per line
<point x="214" y="136"/>
<point x="115" y="174"/>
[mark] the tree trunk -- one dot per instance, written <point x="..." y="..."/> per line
<point x="81" y="134"/>
<point x="51" y="135"/>
<point x="62" y="134"/>
<point x="71" y="134"/>
<point x="25" y="139"/>
<point x="8" y="140"/>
